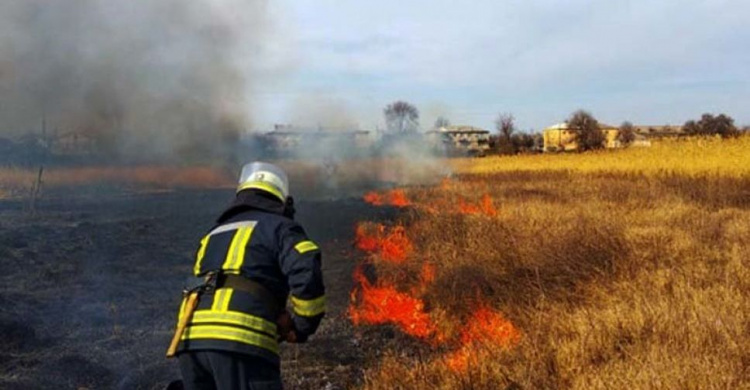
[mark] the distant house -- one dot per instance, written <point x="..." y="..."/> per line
<point x="294" y="141"/>
<point x="466" y="140"/>
<point x="73" y="143"/>
<point x="650" y="131"/>
<point x="560" y="138"/>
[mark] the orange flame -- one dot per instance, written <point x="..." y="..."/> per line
<point x="485" y="207"/>
<point x="488" y="208"/>
<point x="460" y="360"/>
<point x="373" y="198"/>
<point x="467" y="208"/>
<point x="365" y="241"/>
<point x="488" y="326"/>
<point x="486" y="331"/>
<point x="383" y="304"/>
<point x="396" y="197"/>
<point x="393" y="246"/>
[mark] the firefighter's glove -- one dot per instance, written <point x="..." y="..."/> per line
<point x="285" y="326"/>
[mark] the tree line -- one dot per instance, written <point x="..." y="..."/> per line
<point x="589" y="135"/>
<point x="403" y="117"/>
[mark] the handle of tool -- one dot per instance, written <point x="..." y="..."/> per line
<point x="190" y="306"/>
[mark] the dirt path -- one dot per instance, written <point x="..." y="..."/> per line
<point x="90" y="287"/>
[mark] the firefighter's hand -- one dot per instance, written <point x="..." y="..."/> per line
<point x="286" y="329"/>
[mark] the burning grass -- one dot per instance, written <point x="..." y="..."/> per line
<point x="395" y="197"/>
<point x="391" y="245"/>
<point x="384" y="304"/>
<point x="580" y="279"/>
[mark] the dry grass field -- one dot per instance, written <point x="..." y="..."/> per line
<point x="623" y="269"/>
<point x="615" y="270"/>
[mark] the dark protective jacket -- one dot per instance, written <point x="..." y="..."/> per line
<point x="256" y="239"/>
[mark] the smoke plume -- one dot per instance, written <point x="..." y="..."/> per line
<point x="140" y="78"/>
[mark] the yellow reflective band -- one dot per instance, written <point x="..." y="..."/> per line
<point x="199" y="255"/>
<point x="234" y="318"/>
<point x="305" y="246"/>
<point x="236" y="253"/>
<point x="240" y="258"/>
<point x="230" y="333"/>
<point x="309" y="308"/>
<point x="222" y="297"/>
<point x="261" y="185"/>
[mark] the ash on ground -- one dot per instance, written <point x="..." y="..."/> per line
<point x="91" y="286"/>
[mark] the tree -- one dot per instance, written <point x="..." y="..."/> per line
<point x="588" y="134"/>
<point x="721" y="124"/>
<point x="523" y="142"/>
<point x="401" y="117"/>
<point x="505" y="125"/>
<point x="442" y="121"/>
<point x="691" y="128"/>
<point x="626" y="135"/>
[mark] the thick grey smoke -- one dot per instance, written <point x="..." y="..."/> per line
<point x="323" y="112"/>
<point x="140" y="78"/>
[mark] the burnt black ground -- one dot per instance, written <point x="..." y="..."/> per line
<point x="90" y="286"/>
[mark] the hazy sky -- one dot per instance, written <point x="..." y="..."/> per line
<point x="650" y="62"/>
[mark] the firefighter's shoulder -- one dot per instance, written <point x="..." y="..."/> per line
<point x="293" y="235"/>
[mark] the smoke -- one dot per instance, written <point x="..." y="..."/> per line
<point x="146" y="79"/>
<point x="328" y="154"/>
<point x="169" y="80"/>
<point x="325" y="113"/>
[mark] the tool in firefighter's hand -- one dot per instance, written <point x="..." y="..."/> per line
<point x="286" y="328"/>
<point x="194" y="287"/>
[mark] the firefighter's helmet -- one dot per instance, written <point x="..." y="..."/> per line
<point x="265" y="177"/>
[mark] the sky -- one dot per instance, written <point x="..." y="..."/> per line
<point x="339" y="63"/>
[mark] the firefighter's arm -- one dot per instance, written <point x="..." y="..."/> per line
<point x="301" y="264"/>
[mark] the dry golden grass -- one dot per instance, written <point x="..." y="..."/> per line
<point x="682" y="156"/>
<point x="622" y="270"/>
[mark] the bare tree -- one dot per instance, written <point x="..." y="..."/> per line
<point x="442" y="121"/>
<point x="401" y="117"/>
<point x="626" y="135"/>
<point x="505" y="124"/>
<point x="588" y="134"/>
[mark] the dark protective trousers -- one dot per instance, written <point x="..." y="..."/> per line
<point x="219" y="370"/>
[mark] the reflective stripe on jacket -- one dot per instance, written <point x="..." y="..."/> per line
<point x="256" y="241"/>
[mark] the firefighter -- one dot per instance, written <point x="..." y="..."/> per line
<point x="254" y="260"/>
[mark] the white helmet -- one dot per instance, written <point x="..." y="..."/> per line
<point x="266" y="177"/>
